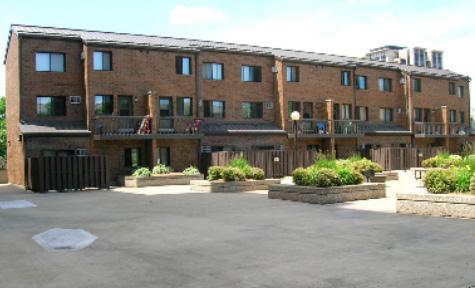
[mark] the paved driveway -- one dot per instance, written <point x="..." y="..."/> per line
<point x="229" y="240"/>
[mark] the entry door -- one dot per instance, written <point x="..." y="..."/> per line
<point x="166" y="113"/>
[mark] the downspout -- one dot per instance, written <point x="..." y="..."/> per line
<point x="353" y="72"/>
<point x="197" y="105"/>
<point x="20" y="114"/>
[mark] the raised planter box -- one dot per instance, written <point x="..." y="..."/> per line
<point x="237" y="186"/>
<point x="160" y="180"/>
<point x="3" y="176"/>
<point x="390" y="175"/>
<point x="379" y="178"/>
<point x="327" y="195"/>
<point x="441" y="205"/>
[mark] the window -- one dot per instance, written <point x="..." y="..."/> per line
<point x="346" y="78"/>
<point x="451" y="88"/>
<point x="250" y="73"/>
<point x="213" y="71"/>
<point x="416" y="85"/>
<point x="417" y="114"/>
<point x="437" y="59"/>
<point x="292" y="106"/>
<point x="462" y="117"/>
<point x="125" y="106"/>
<point x="49" y="62"/>
<point x="183" y="65"/>
<point x="426" y="115"/>
<point x="386" y="114"/>
<point x="132" y="157"/>
<point x="336" y="111"/>
<point x="307" y="110"/>
<point x="292" y="74"/>
<point x="251" y="110"/>
<point x="361" y="113"/>
<point x="361" y="82"/>
<point x="459" y="91"/>
<point x="419" y="57"/>
<point x="164" y="156"/>
<point x="103" y="104"/>
<point x="214" y="108"/>
<point x="184" y="106"/>
<point x="452" y="116"/>
<point x="345" y="112"/>
<point x="385" y="84"/>
<point x="165" y="106"/>
<point x="51" y="106"/>
<point x="102" y="60"/>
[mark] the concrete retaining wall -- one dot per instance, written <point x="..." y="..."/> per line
<point x="327" y="195"/>
<point x="238" y="186"/>
<point x="441" y="205"/>
<point x="160" y="180"/>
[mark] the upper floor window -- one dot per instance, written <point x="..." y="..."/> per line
<point x="183" y="65"/>
<point x="437" y="59"/>
<point x="417" y="114"/>
<point x="385" y="84"/>
<point x="386" y="114"/>
<point x="361" y="82"/>
<point x="213" y="71"/>
<point x="307" y="110"/>
<point x="252" y="110"/>
<point x="462" y="117"/>
<point x="361" y="113"/>
<point x="419" y="57"/>
<point x="184" y="106"/>
<point x="125" y="106"/>
<point x="103" y="104"/>
<point x="292" y="74"/>
<point x="416" y="85"/>
<point x="102" y="60"/>
<point x="346" y="78"/>
<point x="292" y="106"/>
<point x="452" y="116"/>
<point x="51" y="106"/>
<point x="49" y="62"/>
<point x="345" y="112"/>
<point x="250" y="73"/>
<point x="451" y="88"/>
<point x="459" y="91"/>
<point x="214" y="108"/>
<point x="426" y="115"/>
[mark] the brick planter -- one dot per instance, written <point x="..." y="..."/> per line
<point x="391" y="175"/>
<point x="441" y="205"/>
<point x="237" y="186"/>
<point x="327" y="195"/>
<point x="160" y="180"/>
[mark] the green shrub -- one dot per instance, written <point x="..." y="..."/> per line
<point x="472" y="185"/>
<point x="257" y="173"/>
<point x="364" y="165"/>
<point x="241" y="164"/>
<point x="440" y="181"/>
<point x="326" y="177"/>
<point x="299" y="176"/>
<point x="462" y="180"/>
<point x="233" y="174"/>
<point x="142" y="171"/>
<point x="192" y="170"/>
<point x="429" y="162"/>
<point x="161" y="169"/>
<point x="324" y="162"/>
<point x="443" y="160"/>
<point x="215" y="172"/>
<point x="349" y="176"/>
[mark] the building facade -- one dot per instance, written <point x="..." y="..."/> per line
<point x="145" y="99"/>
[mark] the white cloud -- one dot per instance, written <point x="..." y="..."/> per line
<point x="185" y="15"/>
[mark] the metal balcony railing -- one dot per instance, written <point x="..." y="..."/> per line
<point x="429" y="128"/>
<point x="122" y="125"/>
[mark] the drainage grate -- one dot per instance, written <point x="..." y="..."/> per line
<point x="16" y="204"/>
<point x="58" y="239"/>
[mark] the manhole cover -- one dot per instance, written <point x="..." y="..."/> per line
<point x="58" y="239"/>
<point x="16" y="204"/>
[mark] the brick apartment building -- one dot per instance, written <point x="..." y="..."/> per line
<point x="141" y="99"/>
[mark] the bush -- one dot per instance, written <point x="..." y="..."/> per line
<point x="299" y="176"/>
<point x="442" y="160"/>
<point x="440" y="181"/>
<point x="215" y="172"/>
<point x="192" y="170"/>
<point x="326" y="177"/>
<point x="349" y="176"/>
<point x="161" y="169"/>
<point x="241" y="164"/>
<point x="233" y="174"/>
<point x="257" y="173"/>
<point x="472" y="185"/>
<point x="142" y="171"/>
<point x="462" y="180"/>
<point x="363" y="165"/>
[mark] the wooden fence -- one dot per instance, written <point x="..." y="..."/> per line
<point x="391" y="158"/>
<point x="67" y="173"/>
<point x="275" y="164"/>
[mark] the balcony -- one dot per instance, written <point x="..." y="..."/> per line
<point x="458" y="130"/>
<point x="143" y="127"/>
<point x="317" y="128"/>
<point x="429" y="129"/>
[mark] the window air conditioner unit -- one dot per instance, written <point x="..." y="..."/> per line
<point x="398" y="110"/>
<point x="269" y="105"/>
<point x="402" y="81"/>
<point x="81" y="152"/>
<point x="75" y="100"/>
<point x="275" y="69"/>
<point x="205" y="149"/>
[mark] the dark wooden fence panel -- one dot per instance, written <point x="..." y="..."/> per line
<point x="394" y="158"/>
<point x="275" y="164"/>
<point x="67" y="173"/>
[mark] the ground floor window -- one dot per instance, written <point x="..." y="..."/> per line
<point x="132" y="157"/>
<point x="164" y="156"/>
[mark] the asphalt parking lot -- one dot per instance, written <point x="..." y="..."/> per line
<point x="228" y="240"/>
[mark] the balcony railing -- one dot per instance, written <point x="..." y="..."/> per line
<point x="457" y="129"/>
<point x="325" y="128"/>
<point x="429" y="128"/>
<point x="122" y="125"/>
<point x="178" y="125"/>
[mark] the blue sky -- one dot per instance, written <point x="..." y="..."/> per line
<point x="347" y="27"/>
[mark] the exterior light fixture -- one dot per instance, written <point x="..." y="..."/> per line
<point x="295" y="116"/>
